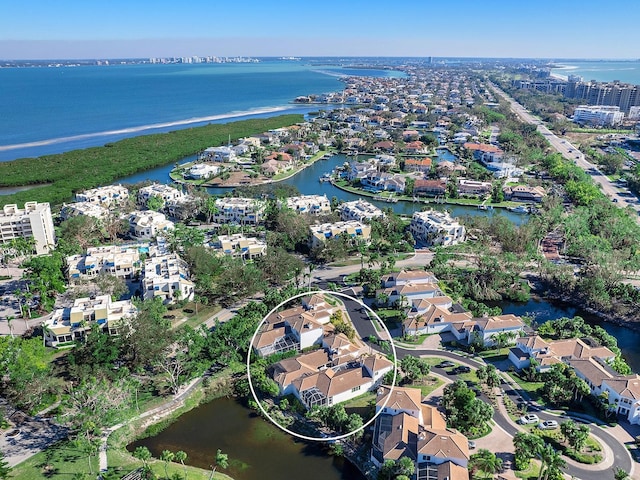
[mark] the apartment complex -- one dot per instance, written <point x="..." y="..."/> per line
<point x="147" y="224"/>
<point x="239" y="246"/>
<point x="352" y="229"/>
<point x="598" y="115"/>
<point x="165" y="192"/>
<point x="167" y="277"/>
<point x="70" y="324"/>
<point x="88" y="209"/>
<point x="238" y="210"/>
<point x="32" y="221"/>
<point x="121" y="261"/>
<point x="359" y="210"/>
<point x="104" y="196"/>
<point x="436" y="228"/>
<point x="310" y="204"/>
<point x="622" y="95"/>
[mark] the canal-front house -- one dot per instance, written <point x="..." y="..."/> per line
<point x="547" y="353"/>
<point x="407" y="427"/>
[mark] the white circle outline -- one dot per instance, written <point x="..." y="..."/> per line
<point x="299" y="435"/>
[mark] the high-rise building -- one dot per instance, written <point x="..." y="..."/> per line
<point x="32" y="221"/>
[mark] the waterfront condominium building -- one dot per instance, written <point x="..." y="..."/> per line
<point x="242" y="211"/>
<point x="69" y="324"/>
<point x="32" y="221"/>
<point x="598" y="115"/>
<point x="352" y="229"/>
<point x="311" y="204"/>
<point x="359" y="210"/>
<point x="436" y="228"/>
<point x="104" y="196"/>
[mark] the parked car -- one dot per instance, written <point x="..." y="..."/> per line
<point x="462" y="369"/>
<point x="472" y="444"/>
<point x="446" y="364"/>
<point x="528" y="418"/>
<point x="548" y="425"/>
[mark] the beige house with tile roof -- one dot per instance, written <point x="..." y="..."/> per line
<point x="407" y="427"/>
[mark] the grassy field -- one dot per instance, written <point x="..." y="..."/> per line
<point x="61" y="461"/>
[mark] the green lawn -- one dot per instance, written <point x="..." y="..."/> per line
<point x="123" y="462"/>
<point x="61" y="461"/>
<point x="530" y="389"/>
<point x="363" y="400"/>
<point x="428" y="384"/>
<point x="530" y="473"/>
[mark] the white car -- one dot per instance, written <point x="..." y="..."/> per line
<point x="548" y="425"/>
<point x="528" y="418"/>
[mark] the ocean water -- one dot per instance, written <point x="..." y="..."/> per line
<point x="602" y="71"/>
<point x="50" y="110"/>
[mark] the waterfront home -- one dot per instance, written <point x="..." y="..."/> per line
<point x="221" y="154"/>
<point x="383" y="181"/>
<point x="448" y="168"/>
<point x="271" y="168"/>
<point x="433" y="227"/>
<point x="32" y="221"/>
<point x="384" y="146"/>
<point x="202" y="171"/>
<point x="147" y="225"/>
<point x="546" y="353"/>
<point x="353" y="229"/>
<point x="405" y="426"/>
<point x="473" y="187"/>
<point x="524" y="193"/>
<point x="418" y="165"/>
<point x="415" y="148"/>
<point x="167" y="277"/>
<point x="385" y="161"/>
<point x="66" y="325"/>
<point x="104" y="196"/>
<point x="88" y="209"/>
<point x="335" y="385"/>
<point x="239" y="210"/>
<point x="118" y="260"/>
<point x="432" y="188"/>
<point x="308" y="204"/>
<point x="359" y="170"/>
<point x="359" y="210"/>
<point x="239" y="246"/>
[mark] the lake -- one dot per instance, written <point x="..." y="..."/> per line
<point x="257" y="449"/>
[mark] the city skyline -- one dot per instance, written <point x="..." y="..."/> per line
<point x="72" y="29"/>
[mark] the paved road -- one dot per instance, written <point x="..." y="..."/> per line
<point x="570" y="152"/>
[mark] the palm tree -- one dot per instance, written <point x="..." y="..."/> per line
<point x="222" y="461"/>
<point x="9" y="320"/>
<point x="486" y="462"/>
<point x="144" y="455"/>
<point x="181" y="456"/>
<point x="551" y="459"/>
<point x="166" y="456"/>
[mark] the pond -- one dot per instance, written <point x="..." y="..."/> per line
<point x="257" y="449"/>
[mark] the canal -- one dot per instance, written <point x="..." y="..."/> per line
<point x="257" y="449"/>
<point x="541" y="310"/>
<point x="307" y="182"/>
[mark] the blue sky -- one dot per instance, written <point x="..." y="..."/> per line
<point x="473" y="28"/>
